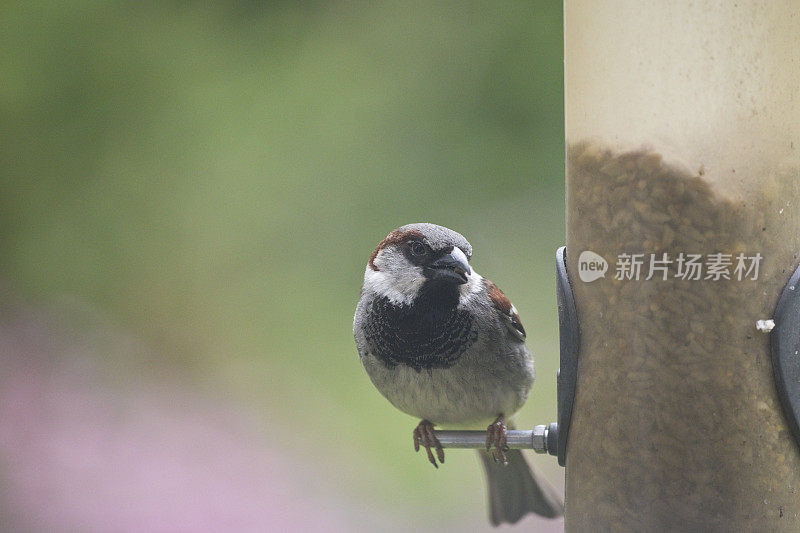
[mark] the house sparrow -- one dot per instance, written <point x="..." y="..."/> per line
<point x="445" y="345"/>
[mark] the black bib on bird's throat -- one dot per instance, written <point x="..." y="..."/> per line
<point x="431" y="332"/>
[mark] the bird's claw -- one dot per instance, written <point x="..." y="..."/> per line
<point x="425" y="436"/>
<point x="496" y="437"/>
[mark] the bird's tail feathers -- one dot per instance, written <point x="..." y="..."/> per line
<point x="515" y="490"/>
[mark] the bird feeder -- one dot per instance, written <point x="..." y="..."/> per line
<point x="683" y="231"/>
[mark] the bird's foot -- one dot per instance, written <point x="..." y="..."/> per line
<point x="425" y="436"/>
<point x="496" y="437"/>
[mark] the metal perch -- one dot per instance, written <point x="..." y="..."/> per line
<point x="541" y="439"/>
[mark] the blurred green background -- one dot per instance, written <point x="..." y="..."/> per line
<point x="188" y="197"/>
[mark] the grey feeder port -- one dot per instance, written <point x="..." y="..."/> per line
<point x="785" y="343"/>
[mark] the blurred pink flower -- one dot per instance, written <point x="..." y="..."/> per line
<point x="80" y="453"/>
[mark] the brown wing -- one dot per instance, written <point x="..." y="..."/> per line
<point x="507" y="311"/>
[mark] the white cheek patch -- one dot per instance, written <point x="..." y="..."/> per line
<point x="472" y="287"/>
<point x="399" y="287"/>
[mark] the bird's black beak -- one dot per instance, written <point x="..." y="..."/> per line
<point x="452" y="267"/>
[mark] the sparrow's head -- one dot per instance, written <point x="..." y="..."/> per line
<point x="415" y="254"/>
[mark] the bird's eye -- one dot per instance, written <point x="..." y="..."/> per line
<point x="418" y="249"/>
